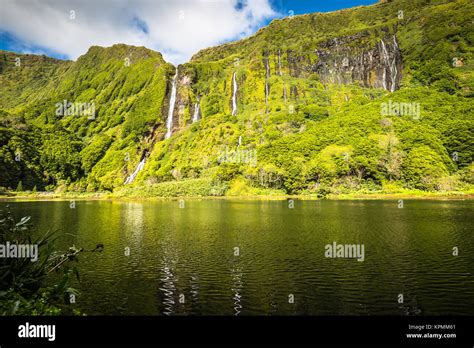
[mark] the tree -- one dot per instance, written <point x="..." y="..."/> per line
<point x="423" y="167"/>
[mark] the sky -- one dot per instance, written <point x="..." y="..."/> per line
<point x="65" y="29"/>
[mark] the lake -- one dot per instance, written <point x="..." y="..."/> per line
<point x="249" y="257"/>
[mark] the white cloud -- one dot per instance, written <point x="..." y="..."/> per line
<point x="177" y="28"/>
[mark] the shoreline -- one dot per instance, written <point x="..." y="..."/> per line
<point x="99" y="196"/>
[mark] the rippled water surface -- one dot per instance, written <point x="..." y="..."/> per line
<point x="191" y="251"/>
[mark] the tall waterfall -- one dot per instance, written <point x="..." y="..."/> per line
<point x="234" y="100"/>
<point x="140" y="166"/>
<point x="267" y="68"/>
<point x="196" y="112"/>
<point x="387" y="63"/>
<point x="393" y="66"/>
<point x="267" y="76"/>
<point x="279" y="62"/>
<point x="169" y="121"/>
<point x="266" y="97"/>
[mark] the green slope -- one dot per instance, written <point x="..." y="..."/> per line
<point x="310" y="110"/>
<point x="127" y="86"/>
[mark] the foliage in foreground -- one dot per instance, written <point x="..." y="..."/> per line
<point x="23" y="285"/>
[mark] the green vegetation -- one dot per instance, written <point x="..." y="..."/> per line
<point x="23" y="289"/>
<point x="185" y="188"/>
<point x="311" y="137"/>
<point x="40" y="148"/>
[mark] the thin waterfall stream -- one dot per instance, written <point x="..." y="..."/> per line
<point x="169" y="121"/>
<point x="234" y="94"/>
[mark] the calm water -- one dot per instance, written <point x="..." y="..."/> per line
<point x="190" y="251"/>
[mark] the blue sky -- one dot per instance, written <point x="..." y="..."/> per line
<point x="177" y="28"/>
<point x="310" y="6"/>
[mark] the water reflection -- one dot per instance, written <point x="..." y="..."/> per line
<point x="184" y="251"/>
<point x="194" y="288"/>
<point x="133" y="217"/>
<point x="237" y="285"/>
<point x="169" y="277"/>
<point x="168" y="288"/>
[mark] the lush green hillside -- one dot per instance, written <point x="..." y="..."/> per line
<point x="361" y="100"/>
<point x="314" y="136"/>
<point x="127" y="85"/>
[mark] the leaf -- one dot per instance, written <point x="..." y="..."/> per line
<point x="23" y="221"/>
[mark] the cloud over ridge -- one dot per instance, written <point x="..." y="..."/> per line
<point x="177" y="28"/>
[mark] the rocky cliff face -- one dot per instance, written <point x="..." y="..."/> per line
<point x="351" y="59"/>
<point x="186" y="108"/>
<point x="371" y="61"/>
<point x="348" y="60"/>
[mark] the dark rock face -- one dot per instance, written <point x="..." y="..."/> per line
<point x="297" y="63"/>
<point x="183" y="99"/>
<point x="352" y="59"/>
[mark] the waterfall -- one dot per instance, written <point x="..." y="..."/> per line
<point x="393" y="66"/>
<point x="267" y="76"/>
<point x="266" y="97"/>
<point x="169" y="121"/>
<point x="140" y="166"/>
<point x="387" y="64"/>
<point x="267" y="68"/>
<point x="240" y="140"/>
<point x="279" y="62"/>
<point x="196" y="112"/>
<point x="384" y="78"/>
<point x="234" y="100"/>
